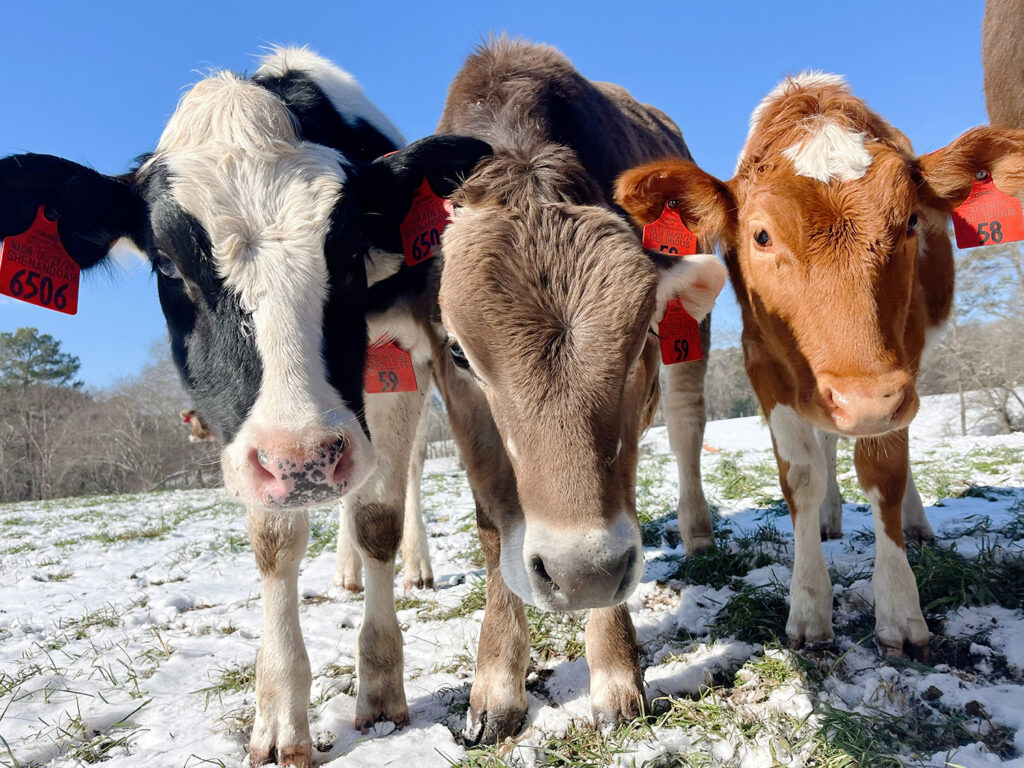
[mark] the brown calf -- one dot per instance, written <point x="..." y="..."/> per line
<point x="549" y="300"/>
<point x="835" y="238"/>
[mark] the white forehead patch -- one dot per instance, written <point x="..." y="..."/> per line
<point x="803" y="81"/>
<point x="830" y="151"/>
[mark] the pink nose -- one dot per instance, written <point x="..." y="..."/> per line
<point x="296" y="476"/>
<point x="869" y="407"/>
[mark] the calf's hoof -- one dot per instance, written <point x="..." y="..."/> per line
<point x="830" y="531"/>
<point x="294" y="755"/>
<point x="385" y="703"/>
<point x="904" y="637"/>
<point x="351" y="582"/>
<point x="919" y="534"/>
<point x="416" y="572"/>
<point x="807" y="626"/>
<point x="492" y="727"/>
<point x="698" y="545"/>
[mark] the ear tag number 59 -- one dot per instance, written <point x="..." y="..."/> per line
<point x="34" y="267"/>
<point x="422" y="227"/>
<point x="988" y="216"/>
<point x="388" y="368"/>
<point x="678" y="333"/>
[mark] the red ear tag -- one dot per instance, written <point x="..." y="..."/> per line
<point x="988" y="216"/>
<point x="388" y="368"/>
<point x="34" y="267"/>
<point x="679" y="335"/>
<point x="668" y="234"/>
<point x="422" y="226"/>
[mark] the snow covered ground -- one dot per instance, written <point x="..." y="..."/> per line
<point x="129" y="628"/>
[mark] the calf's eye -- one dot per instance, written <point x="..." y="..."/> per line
<point x="458" y="356"/>
<point x="167" y="267"/>
<point x="912" y="223"/>
<point x="762" y="238"/>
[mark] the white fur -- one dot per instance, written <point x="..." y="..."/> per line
<point x="339" y="86"/>
<point x="810" y="599"/>
<point x="265" y="198"/>
<point x="830" y="151"/>
<point x="398" y="324"/>
<point x="696" y="280"/>
<point x="810" y="79"/>
<point x="282" y="709"/>
<point x="898" y="614"/>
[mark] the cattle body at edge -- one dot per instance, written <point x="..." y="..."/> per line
<point x="270" y="213"/>
<point x="834" y="233"/>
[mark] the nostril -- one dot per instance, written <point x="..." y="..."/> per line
<point x="262" y="464"/>
<point x="335" y="467"/>
<point x="537" y="564"/>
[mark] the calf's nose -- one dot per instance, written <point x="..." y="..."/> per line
<point x="869" y="407"/>
<point x="294" y="474"/>
<point x="572" y="583"/>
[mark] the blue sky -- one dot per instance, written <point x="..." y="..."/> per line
<point x="95" y="82"/>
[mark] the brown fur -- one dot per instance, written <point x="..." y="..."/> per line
<point x="550" y="295"/>
<point x="1002" y="55"/>
<point x="841" y="297"/>
<point x="378" y="530"/>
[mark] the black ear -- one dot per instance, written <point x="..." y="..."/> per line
<point x="93" y="210"/>
<point x="386" y="188"/>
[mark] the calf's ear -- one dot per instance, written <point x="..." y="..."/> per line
<point x="386" y="188"/>
<point x="695" y="280"/>
<point x="705" y="204"/>
<point x="949" y="172"/>
<point x="93" y="210"/>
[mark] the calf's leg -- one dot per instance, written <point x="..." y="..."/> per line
<point x="685" y="417"/>
<point x="915" y="524"/>
<point x="497" y="702"/>
<point x="376" y="512"/>
<point x="415" y="554"/>
<point x="616" y="680"/>
<point x="349" y="569"/>
<point x="882" y="470"/>
<point x="832" y="506"/>
<point x="280" y="731"/>
<point x="802" y="476"/>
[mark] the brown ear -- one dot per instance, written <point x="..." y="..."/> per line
<point x="705" y="204"/>
<point x="950" y="171"/>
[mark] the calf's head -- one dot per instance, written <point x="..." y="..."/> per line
<point x="257" y="238"/>
<point x="549" y="306"/>
<point x="834" y="235"/>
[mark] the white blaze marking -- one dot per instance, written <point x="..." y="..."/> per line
<point x="830" y="151"/>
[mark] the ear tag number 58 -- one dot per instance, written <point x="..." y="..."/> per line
<point x="34" y="267"/>
<point x="988" y="216"/>
<point x="678" y="333"/>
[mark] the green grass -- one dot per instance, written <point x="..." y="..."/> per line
<point x="472" y="601"/>
<point x="753" y="614"/>
<point x="556" y="635"/>
<point x="735" y="480"/>
<point x="947" y="580"/>
<point x="238" y="679"/>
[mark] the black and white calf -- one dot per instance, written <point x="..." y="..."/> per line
<point x="271" y="217"/>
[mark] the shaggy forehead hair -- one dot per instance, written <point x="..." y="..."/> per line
<point x="238" y="164"/>
<point x="563" y="286"/>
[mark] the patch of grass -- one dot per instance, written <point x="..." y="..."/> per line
<point x="582" y="745"/>
<point x="732" y="559"/>
<point x="107" y="616"/>
<point x="736" y="480"/>
<point x="239" y="679"/>
<point x="655" y="499"/>
<point x="404" y="602"/>
<point x="473" y="601"/>
<point x="995" y="460"/>
<point x="556" y="634"/>
<point x="18" y="549"/>
<point x="156" y="531"/>
<point x="754" y="615"/>
<point x="323" y="531"/>
<point x="947" y="580"/>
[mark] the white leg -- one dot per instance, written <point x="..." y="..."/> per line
<point x="915" y="523"/>
<point x="802" y="475"/>
<point x="832" y="506"/>
<point x="349" y="568"/>
<point x="280" y="731"/>
<point x="415" y="554"/>
<point x="685" y="418"/>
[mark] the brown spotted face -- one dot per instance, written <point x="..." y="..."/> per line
<point x="831" y="296"/>
<point x="549" y="309"/>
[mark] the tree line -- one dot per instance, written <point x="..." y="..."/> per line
<point x="58" y="438"/>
